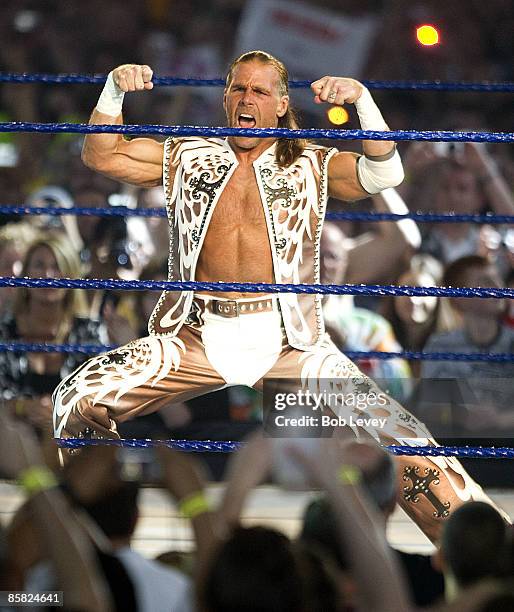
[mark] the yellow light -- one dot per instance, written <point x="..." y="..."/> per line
<point x="337" y="115"/>
<point x="427" y="35"/>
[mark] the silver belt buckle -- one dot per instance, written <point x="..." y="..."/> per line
<point x="225" y="308"/>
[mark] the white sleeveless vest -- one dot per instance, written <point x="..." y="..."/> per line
<point x="294" y="200"/>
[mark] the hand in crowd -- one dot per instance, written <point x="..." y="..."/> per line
<point x="472" y="155"/>
<point x="182" y="474"/>
<point x="322" y="467"/>
<point x="489" y="242"/>
<point x="477" y="158"/>
<point x="336" y="90"/>
<point x="93" y="472"/>
<point x="247" y="469"/>
<point x="18" y="447"/>
<point x="119" y="329"/>
<point x="420" y="155"/>
<point x="133" y="77"/>
<point x="36" y="411"/>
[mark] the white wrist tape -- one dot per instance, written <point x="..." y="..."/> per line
<point x="110" y="101"/>
<point x="370" y="116"/>
<point x="375" y="176"/>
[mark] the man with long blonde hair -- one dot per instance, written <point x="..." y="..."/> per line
<point x="246" y="209"/>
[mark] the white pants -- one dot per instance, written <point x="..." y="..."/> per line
<point x="242" y="349"/>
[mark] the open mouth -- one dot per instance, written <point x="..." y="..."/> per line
<point x="245" y="120"/>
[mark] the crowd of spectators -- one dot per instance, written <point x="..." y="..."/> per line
<point x="73" y="534"/>
<point x="195" y="38"/>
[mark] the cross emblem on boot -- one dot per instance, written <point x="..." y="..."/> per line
<point x="421" y="486"/>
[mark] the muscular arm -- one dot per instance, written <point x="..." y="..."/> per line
<point x="351" y="178"/>
<point x="137" y="161"/>
<point x="343" y="182"/>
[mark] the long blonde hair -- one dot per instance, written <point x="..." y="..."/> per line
<point x="74" y="303"/>
<point x="288" y="149"/>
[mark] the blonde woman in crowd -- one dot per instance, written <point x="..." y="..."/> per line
<point x="47" y="315"/>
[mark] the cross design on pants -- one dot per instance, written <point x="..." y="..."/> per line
<point x="421" y="486"/>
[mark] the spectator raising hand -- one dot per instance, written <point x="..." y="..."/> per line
<point x="377" y="575"/>
<point x="63" y="537"/>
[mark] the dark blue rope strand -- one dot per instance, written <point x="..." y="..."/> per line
<point x="195" y="446"/>
<point x="93" y="349"/>
<point x="481" y="452"/>
<point x="489" y="218"/>
<point x="345" y="289"/>
<point x="202" y="446"/>
<point x="38" y="347"/>
<point x="215" y="132"/>
<point x="115" y="211"/>
<point x="99" y="79"/>
<point x="431" y="356"/>
<point x="123" y="211"/>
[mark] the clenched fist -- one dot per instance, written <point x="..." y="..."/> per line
<point x="133" y="77"/>
<point x="336" y="90"/>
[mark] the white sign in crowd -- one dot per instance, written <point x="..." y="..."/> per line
<point x="312" y="42"/>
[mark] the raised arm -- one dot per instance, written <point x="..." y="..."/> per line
<point x="351" y="177"/>
<point x="137" y="161"/>
<point x="373" y="567"/>
<point x="375" y="256"/>
<point x="495" y="187"/>
<point x="61" y="533"/>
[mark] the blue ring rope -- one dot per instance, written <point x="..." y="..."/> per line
<point x="84" y="79"/>
<point x="215" y="132"/>
<point x="124" y="211"/>
<point x="345" y="289"/>
<point x="478" y="452"/>
<point x="201" y="446"/>
<point x="94" y="349"/>
<point x="488" y="218"/>
<point x="194" y="446"/>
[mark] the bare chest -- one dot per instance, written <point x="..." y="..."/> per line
<point x="236" y="246"/>
<point x="240" y="203"/>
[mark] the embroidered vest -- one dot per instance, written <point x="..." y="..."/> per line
<point x="294" y="200"/>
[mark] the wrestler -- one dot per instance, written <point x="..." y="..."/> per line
<point x="245" y="209"/>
